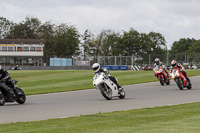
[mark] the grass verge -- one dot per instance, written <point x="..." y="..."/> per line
<point x="183" y="118"/>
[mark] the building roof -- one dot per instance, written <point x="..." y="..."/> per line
<point x="22" y="41"/>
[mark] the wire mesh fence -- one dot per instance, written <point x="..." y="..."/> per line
<point x="183" y="58"/>
<point x="145" y="59"/>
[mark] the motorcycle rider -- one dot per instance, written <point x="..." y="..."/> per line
<point x="159" y="63"/>
<point x="4" y="81"/>
<point x="180" y="67"/>
<point x="97" y="68"/>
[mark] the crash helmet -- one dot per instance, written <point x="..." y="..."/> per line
<point x="157" y="61"/>
<point x="173" y="63"/>
<point x="96" y="67"/>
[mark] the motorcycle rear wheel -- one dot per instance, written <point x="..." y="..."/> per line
<point x="122" y="94"/>
<point x="2" y="99"/>
<point x="168" y="83"/>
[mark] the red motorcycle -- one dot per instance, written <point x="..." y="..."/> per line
<point x="161" y="75"/>
<point x="180" y="79"/>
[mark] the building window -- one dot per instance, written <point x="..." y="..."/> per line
<point x="2" y="60"/>
<point x="32" y="48"/>
<point x="10" y="48"/>
<point x="25" y="48"/>
<point x="9" y="60"/>
<point x="19" y="48"/>
<point x="38" y="48"/>
<point x="4" y="48"/>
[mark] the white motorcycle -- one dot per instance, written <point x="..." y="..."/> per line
<point x="193" y="67"/>
<point x="107" y="88"/>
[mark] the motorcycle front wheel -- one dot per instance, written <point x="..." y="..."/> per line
<point x="21" y="97"/>
<point x="161" y="80"/>
<point x="106" y="92"/>
<point x="189" y="86"/>
<point x="179" y="82"/>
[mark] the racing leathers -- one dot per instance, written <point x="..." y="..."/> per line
<point x="163" y="66"/>
<point x="113" y="79"/>
<point x="4" y="81"/>
<point x="181" y="68"/>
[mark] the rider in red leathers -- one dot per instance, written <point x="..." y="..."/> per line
<point x="159" y="63"/>
<point x="180" y="67"/>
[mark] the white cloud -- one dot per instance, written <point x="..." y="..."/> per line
<point x="174" y="19"/>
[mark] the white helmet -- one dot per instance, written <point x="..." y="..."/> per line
<point x="157" y="61"/>
<point x="96" y="67"/>
<point x="173" y="63"/>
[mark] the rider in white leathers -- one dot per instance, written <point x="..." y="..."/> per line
<point x="97" y="68"/>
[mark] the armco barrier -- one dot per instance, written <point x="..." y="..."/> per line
<point x="115" y="67"/>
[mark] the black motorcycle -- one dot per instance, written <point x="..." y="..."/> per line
<point x="19" y="95"/>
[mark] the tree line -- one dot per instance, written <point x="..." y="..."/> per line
<point x="186" y="50"/>
<point x="65" y="40"/>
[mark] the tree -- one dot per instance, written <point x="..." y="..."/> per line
<point x="96" y="46"/>
<point x="180" y="48"/>
<point x="65" y="42"/>
<point x="130" y="43"/>
<point x="194" y="51"/>
<point x="28" y="29"/>
<point x="46" y="32"/>
<point x="157" y="46"/>
<point x="86" y="37"/>
<point x="195" y="47"/>
<point x="5" y="26"/>
<point x="112" y="45"/>
<point x="157" y="43"/>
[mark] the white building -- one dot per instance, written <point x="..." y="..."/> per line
<point x="21" y="52"/>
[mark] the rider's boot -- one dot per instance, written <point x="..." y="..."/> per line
<point x="167" y="74"/>
<point x="119" y="87"/>
<point x="188" y="80"/>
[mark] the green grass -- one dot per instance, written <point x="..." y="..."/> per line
<point x="183" y="118"/>
<point x="49" y="81"/>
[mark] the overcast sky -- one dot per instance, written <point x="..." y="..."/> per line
<point x="174" y="19"/>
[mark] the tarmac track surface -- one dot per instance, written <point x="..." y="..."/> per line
<point x="76" y="103"/>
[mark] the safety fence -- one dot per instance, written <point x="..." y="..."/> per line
<point x="134" y="60"/>
<point x="148" y="59"/>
